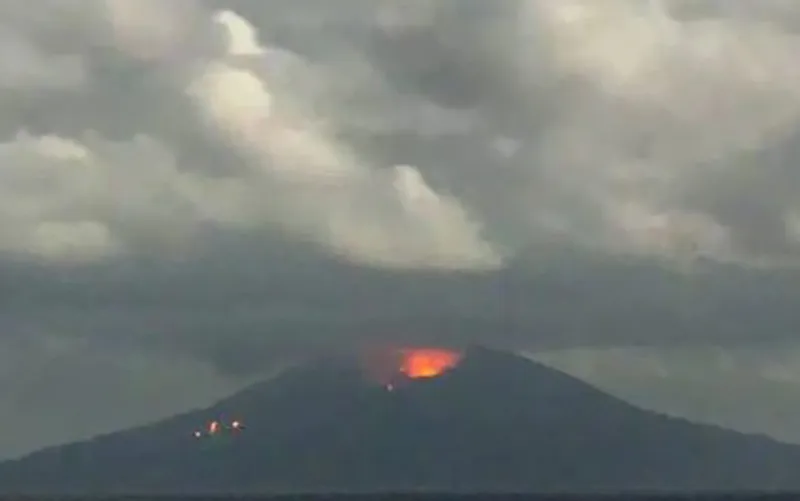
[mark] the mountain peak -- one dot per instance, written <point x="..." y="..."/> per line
<point x="474" y="419"/>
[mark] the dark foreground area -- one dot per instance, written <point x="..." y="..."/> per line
<point x="705" y="496"/>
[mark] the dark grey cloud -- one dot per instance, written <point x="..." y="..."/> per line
<point x="377" y="143"/>
<point x="244" y="319"/>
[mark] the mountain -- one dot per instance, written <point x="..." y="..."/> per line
<point x="493" y="422"/>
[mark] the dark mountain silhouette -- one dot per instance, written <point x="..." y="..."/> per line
<point x="496" y="422"/>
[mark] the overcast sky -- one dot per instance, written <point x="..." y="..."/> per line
<point x="193" y="191"/>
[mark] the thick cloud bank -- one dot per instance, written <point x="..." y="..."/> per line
<point x="293" y="175"/>
<point x="212" y="176"/>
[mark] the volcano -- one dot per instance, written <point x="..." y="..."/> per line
<point x="484" y="421"/>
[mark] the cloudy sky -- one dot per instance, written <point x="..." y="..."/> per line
<point x="194" y="191"/>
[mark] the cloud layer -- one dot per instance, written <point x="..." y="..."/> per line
<point x="660" y="128"/>
<point x="211" y="177"/>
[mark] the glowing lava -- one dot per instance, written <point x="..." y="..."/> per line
<point x="391" y="367"/>
<point x="427" y="362"/>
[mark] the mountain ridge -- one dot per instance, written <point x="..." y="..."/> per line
<point x="495" y="422"/>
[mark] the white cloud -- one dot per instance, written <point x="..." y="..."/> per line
<point x="66" y="200"/>
<point x="668" y="108"/>
<point x="240" y="37"/>
<point x="327" y="193"/>
<point x="300" y="178"/>
<point x="646" y="153"/>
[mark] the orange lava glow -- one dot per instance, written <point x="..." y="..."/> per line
<point x="427" y="362"/>
<point x="391" y="366"/>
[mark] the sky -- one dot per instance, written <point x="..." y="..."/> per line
<point x="195" y="192"/>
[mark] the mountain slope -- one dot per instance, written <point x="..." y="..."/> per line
<point x="495" y="422"/>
